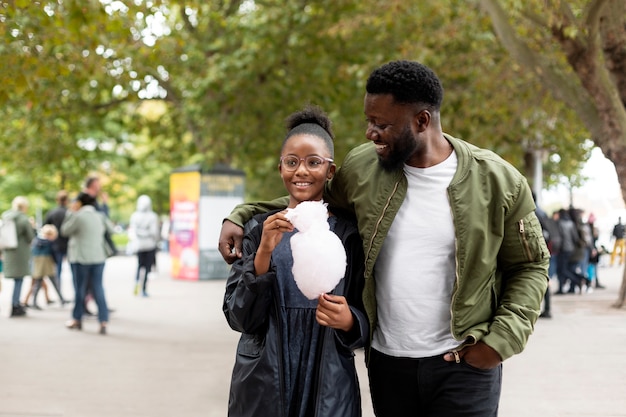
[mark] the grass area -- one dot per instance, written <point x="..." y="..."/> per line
<point x="120" y="240"/>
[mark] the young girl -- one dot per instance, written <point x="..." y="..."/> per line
<point x="43" y="265"/>
<point x="295" y="356"/>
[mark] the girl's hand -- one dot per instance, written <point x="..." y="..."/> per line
<point x="273" y="228"/>
<point x="333" y="311"/>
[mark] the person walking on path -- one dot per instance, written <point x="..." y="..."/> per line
<point x="456" y="264"/>
<point x="594" y="258"/>
<point x="619" y="247"/>
<point x="43" y="265"/>
<point x="552" y="237"/>
<point x="16" y="261"/>
<point x="93" y="188"/>
<point x="569" y="278"/>
<point x="85" y="227"/>
<point x="55" y="217"/>
<point x="144" y="238"/>
<point x="303" y="360"/>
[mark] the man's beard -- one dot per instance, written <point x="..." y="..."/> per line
<point x="403" y="147"/>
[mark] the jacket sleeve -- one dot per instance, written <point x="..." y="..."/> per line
<point x="69" y="225"/>
<point x="358" y="336"/>
<point x="248" y="298"/>
<point x="108" y="225"/>
<point x="24" y="228"/>
<point x="244" y="212"/>
<point x="523" y="260"/>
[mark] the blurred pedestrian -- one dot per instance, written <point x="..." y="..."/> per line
<point x="552" y="237"/>
<point x="584" y="248"/>
<point x="569" y="278"/>
<point x="59" y="246"/>
<point x="594" y="258"/>
<point x="93" y="187"/>
<point x="144" y="238"/>
<point x="618" y="246"/>
<point x="16" y="261"/>
<point x="85" y="227"/>
<point x="43" y="265"/>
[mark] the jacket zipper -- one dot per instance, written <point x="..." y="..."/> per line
<point x="369" y="249"/>
<point x="470" y="339"/>
<point x="281" y="371"/>
<point x="456" y="280"/>
<point x="522" y="232"/>
<point x="371" y="243"/>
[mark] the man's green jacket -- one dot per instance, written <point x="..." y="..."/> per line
<point x="501" y="256"/>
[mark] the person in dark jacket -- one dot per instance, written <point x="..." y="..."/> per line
<point x="295" y="355"/>
<point x="55" y="217"/>
<point x="566" y="267"/>
<point x="619" y="247"/>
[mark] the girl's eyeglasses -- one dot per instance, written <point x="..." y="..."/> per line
<point x="311" y="162"/>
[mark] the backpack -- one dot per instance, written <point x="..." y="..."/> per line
<point x="8" y="234"/>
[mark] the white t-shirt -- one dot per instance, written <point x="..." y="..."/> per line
<point x="415" y="271"/>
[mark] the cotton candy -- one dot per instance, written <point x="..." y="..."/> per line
<point x="319" y="258"/>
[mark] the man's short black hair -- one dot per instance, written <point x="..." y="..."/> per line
<point x="408" y="82"/>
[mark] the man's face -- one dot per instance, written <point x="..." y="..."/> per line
<point x="389" y="127"/>
<point x="94" y="188"/>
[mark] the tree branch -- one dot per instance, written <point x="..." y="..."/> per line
<point x="563" y="86"/>
<point x="613" y="39"/>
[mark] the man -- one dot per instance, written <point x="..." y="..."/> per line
<point x="16" y="261"/>
<point x="456" y="264"/>
<point x="569" y="277"/>
<point x="59" y="246"/>
<point x="93" y="187"/>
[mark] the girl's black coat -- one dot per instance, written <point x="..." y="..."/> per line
<point x="250" y="308"/>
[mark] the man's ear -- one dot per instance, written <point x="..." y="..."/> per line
<point x="422" y="120"/>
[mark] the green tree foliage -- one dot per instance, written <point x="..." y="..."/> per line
<point x="134" y="89"/>
<point x="577" y="50"/>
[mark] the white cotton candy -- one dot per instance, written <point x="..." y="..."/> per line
<point x="319" y="258"/>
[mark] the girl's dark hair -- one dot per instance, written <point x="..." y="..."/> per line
<point x="311" y="120"/>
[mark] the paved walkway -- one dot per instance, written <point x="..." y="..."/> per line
<point x="170" y="355"/>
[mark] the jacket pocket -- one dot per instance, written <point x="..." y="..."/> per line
<point x="250" y="345"/>
<point x="532" y="243"/>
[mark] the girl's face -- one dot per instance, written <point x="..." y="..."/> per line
<point x="304" y="179"/>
